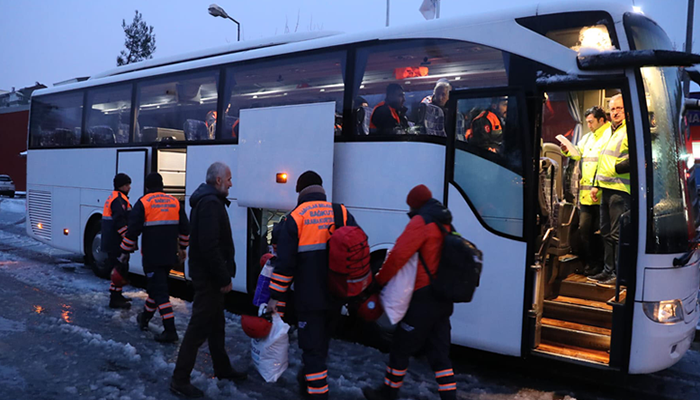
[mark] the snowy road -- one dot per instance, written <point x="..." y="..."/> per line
<point x="58" y="340"/>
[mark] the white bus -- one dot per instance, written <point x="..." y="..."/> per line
<point x="273" y="108"/>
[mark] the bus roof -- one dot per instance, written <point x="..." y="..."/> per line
<point x="497" y="29"/>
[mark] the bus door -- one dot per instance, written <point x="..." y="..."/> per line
<point x="572" y="315"/>
<point x="170" y="161"/>
<point x="486" y="189"/>
<point x="133" y="162"/>
<point x="275" y="146"/>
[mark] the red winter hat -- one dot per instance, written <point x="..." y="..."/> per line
<point x="418" y="196"/>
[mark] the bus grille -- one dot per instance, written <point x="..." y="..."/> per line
<point x="39" y="206"/>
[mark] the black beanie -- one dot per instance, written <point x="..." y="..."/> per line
<point x="308" y="178"/>
<point x="154" y="182"/>
<point x="120" y="180"/>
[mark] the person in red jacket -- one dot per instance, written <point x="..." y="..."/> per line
<point x="426" y="324"/>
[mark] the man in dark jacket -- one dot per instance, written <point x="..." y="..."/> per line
<point x="166" y="235"/>
<point x="115" y="216"/>
<point x="426" y="324"/>
<point x="302" y="257"/>
<point x="389" y="116"/>
<point x="212" y="267"/>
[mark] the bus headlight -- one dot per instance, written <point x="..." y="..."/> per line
<point x="664" y="312"/>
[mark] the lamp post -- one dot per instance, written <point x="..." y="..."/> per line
<point x="216" y="11"/>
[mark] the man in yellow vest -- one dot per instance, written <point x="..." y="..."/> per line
<point x="612" y="186"/>
<point x="589" y="148"/>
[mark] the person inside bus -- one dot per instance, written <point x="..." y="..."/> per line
<point x="612" y="188"/>
<point x="389" y="116"/>
<point x="362" y="113"/>
<point x="431" y="110"/>
<point x="486" y="129"/>
<point x="589" y="148"/>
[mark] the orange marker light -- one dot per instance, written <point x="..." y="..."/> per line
<point x="282" y="177"/>
<point x="40" y="225"/>
<point x="65" y="232"/>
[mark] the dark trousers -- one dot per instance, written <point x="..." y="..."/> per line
<point x="425" y="326"/>
<point x="613" y="205"/>
<point x="315" y="330"/>
<point x="158" y="296"/>
<point x="589" y="251"/>
<point x="206" y="324"/>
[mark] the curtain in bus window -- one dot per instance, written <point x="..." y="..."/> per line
<point x="182" y="107"/>
<point x="108" y="115"/>
<point x="57" y="120"/>
<point x="403" y="87"/>
<point x="284" y="81"/>
<point x="488" y="162"/>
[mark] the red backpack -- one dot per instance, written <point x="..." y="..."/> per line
<point x="348" y="258"/>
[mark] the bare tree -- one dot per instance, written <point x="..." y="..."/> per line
<point x="140" y="41"/>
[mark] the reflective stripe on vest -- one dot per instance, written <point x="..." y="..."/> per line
<point x="590" y="147"/>
<point x="615" y="151"/>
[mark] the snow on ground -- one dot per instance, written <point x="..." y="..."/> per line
<point x="59" y="340"/>
<point x="16" y="206"/>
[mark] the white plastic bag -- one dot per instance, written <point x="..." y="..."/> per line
<point x="271" y="354"/>
<point x="396" y="295"/>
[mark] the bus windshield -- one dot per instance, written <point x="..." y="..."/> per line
<point x="670" y="223"/>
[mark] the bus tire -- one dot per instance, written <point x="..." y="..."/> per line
<point x="94" y="258"/>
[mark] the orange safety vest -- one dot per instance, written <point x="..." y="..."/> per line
<point x="393" y="114"/>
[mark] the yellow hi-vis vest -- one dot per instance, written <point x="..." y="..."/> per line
<point x="616" y="151"/>
<point x="590" y="147"/>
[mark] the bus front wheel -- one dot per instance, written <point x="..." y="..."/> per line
<point x="94" y="257"/>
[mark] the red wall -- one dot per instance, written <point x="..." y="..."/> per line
<point x="13" y="140"/>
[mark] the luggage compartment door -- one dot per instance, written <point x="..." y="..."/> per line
<point x="283" y="142"/>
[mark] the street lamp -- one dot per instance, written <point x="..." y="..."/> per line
<point x="216" y="11"/>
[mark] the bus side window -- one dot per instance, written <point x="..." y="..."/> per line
<point x="177" y="108"/>
<point x="108" y="115"/>
<point x="57" y="120"/>
<point x="299" y="80"/>
<point x="488" y="161"/>
<point x="405" y="85"/>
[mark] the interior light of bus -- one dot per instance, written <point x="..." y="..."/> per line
<point x="410" y="72"/>
<point x="65" y="231"/>
<point x="594" y="37"/>
<point x="323" y="90"/>
<point x="457" y="78"/>
<point x="255" y="97"/>
<point x="664" y="312"/>
<point x="362" y="86"/>
<point x="281" y="177"/>
<point x="40" y="225"/>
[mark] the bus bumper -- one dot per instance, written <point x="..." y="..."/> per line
<point x="658" y="346"/>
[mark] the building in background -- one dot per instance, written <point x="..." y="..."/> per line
<point x="14" y="120"/>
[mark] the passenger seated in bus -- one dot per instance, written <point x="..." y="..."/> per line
<point x="210" y="121"/>
<point x="389" y="116"/>
<point x="486" y="130"/>
<point x="362" y="113"/>
<point x="431" y="113"/>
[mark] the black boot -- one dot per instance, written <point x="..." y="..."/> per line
<point x="382" y="393"/>
<point x="143" y="320"/>
<point x="233" y="375"/>
<point x="169" y="335"/>
<point x="185" y="389"/>
<point x="124" y="298"/>
<point x="116" y="300"/>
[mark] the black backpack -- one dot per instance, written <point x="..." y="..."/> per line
<point x="459" y="270"/>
